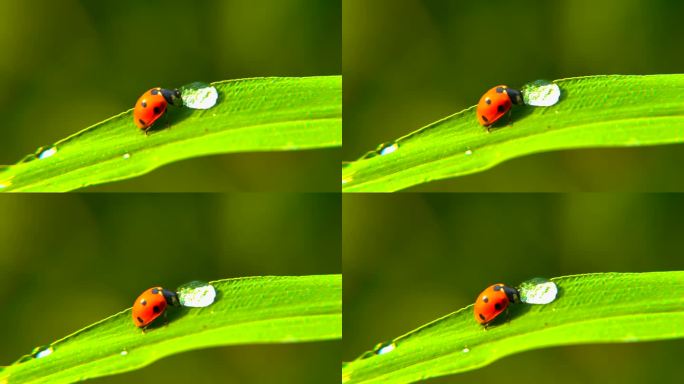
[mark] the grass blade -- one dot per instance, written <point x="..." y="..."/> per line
<point x="259" y="114"/>
<point x="595" y="111"/>
<point x="591" y="308"/>
<point x="270" y="309"/>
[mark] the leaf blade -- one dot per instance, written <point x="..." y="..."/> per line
<point x="594" y="111"/>
<point x="258" y="114"/>
<point x="591" y="308"/>
<point x="247" y="310"/>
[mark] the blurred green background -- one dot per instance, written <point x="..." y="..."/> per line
<point x="412" y="62"/>
<point x="409" y="259"/>
<point x="69" y="261"/>
<point x="69" y="64"/>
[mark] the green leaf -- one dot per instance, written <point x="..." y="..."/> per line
<point x="260" y="114"/>
<point x="591" y="308"/>
<point x="596" y="111"/>
<point x="271" y="309"/>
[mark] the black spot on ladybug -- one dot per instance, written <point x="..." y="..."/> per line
<point x="154" y="91"/>
<point x="156" y="309"/>
<point x="499" y="89"/>
<point x="501" y="108"/>
<point x="481" y="317"/>
<point x="488" y="101"/>
<point x="155" y="291"/>
<point x="497" y="306"/>
<point x="157" y="110"/>
<point x="143" y="302"/>
<point x="139" y="320"/>
<point x="486" y="120"/>
<point x="497" y="287"/>
<point x="485" y="299"/>
<point x="144" y="103"/>
<point x="142" y="122"/>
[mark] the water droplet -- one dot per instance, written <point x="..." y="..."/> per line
<point x="47" y="153"/>
<point x="126" y="156"/>
<point x="541" y="93"/>
<point x="124" y="352"/>
<point x="41" y="352"/>
<point x="196" y="294"/>
<point x="538" y="291"/>
<point x="387" y="148"/>
<point x="384" y="348"/>
<point x="345" y="180"/>
<point x="199" y="95"/>
<point x="468" y="152"/>
<point x="465" y="350"/>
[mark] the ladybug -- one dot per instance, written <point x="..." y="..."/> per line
<point x="492" y="301"/>
<point x="151" y="304"/>
<point x="495" y="103"/>
<point x="152" y="105"/>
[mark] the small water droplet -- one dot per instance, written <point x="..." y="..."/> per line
<point x="387" y="148"/>
<point x="196" y="294"/>
<point x="538" y="291"/>
<point x="124" y="352"/>
<point x="345" y="180"/>
<point x="199" y="95"/>
<point x="465" y="350"/>
<point x="42" y="352"/>
<point x="541" y="93"/>
<point x="384" y="348"/>
<point x="126" y="156"/>
<point x="47" y="153"/>
<point x="468" y="152"/>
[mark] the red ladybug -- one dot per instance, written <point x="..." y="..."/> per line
<point x="495" y="103"/>
<point x="492" y="301"/>
<point x="151" y="304"/>
<point x="152" y="105"/>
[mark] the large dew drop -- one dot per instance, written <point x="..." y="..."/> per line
<point x="196" y="294"/>
<point x="541" y="93"/>
<point x="538" y="291"/>
<point x="199" y="95"/>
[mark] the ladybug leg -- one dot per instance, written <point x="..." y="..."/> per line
<point x="510" y="116"/>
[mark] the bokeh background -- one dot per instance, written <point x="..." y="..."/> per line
<point x="412" y="62"/>
<point x="69" y="64"/>
<point x="69" y="261"/>
<point x="409" y="259"/>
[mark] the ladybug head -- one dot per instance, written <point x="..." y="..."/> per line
<point x="515" y="96"/>
<point x="172" y="96"/>
<point x="512" y="294"/>
<point x="171" y="297"/>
